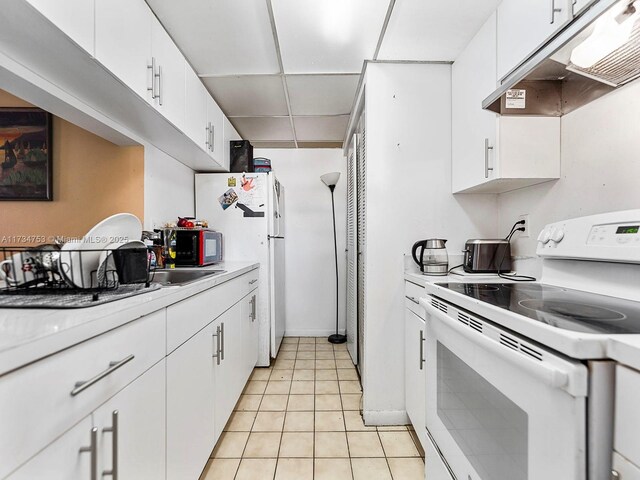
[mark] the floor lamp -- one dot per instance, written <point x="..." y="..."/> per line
<point x="330" y="180"/>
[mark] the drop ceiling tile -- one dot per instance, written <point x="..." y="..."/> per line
<point x="263" y="128"/>
<point x="221" y="37"/>
<point x="328" y="36"/>
<point x="321" y="94"/>
<point x="248" y="95"/>
<point x="325" y="129"/>
<point x="430" y="30"/>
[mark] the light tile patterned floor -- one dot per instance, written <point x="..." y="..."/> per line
<point x="300" y="420"/>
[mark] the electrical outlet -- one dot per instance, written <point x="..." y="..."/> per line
<point x="524" y="234"/>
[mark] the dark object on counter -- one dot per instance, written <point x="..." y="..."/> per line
<point x="131" y="265"/>
<point x="487" y="256"/>
<point x="241" y="152"/>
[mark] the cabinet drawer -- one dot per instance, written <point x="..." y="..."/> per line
<point x="412" y="293"/>
<point x="37" y="404"/>
<point x="186" y="318"/>
<point x="627" y="420"/>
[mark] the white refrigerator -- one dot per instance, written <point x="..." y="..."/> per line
<point x="249" y="211"/>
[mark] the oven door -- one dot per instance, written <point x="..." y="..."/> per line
<point x="210" y="247"/>
<point x="498" y="406"/>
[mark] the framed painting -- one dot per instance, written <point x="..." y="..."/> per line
<point x="25" y="154"/>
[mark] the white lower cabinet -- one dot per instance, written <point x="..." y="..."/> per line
<point x="414" y="374"/>
<point x="124" y="438"/>
<point x="131" y="429"/>
<point x="190" y="405"/>
<point x="62" y="460"/>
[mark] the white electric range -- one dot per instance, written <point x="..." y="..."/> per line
<point x="524" y="386"/>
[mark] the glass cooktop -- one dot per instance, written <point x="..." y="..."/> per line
<point x="560" y="307"/>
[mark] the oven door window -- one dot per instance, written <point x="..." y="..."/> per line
<point x="490" y="429"/>
<point x="210" y="248"/>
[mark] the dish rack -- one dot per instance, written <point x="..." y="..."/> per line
<point x="48" y="269"/>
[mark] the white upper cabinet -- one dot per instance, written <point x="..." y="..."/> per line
<point x="474" y="130"/>
<point x="491" y="153"/>
<point x="215" y="127"/>
<point x="524" y="26"/>
<point x="123" y="42"/>
<point x="169" y="76"/>
<point x="195" y="121"/>
<point x="73" y="17"/>
<point x="229" y="133"/>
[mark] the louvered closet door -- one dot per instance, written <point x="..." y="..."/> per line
<point x="352" y="254"/>
<point x="361" y="176"/>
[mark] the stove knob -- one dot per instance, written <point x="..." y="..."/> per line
<point x="545" y="236"/>
<point x="557" y="235"/>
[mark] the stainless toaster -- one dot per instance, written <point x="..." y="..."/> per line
<point x="487" y="256"/>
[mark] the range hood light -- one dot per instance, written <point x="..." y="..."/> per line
<point x="611" y="31"/>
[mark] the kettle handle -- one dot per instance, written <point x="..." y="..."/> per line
<point x="421" y="243"/>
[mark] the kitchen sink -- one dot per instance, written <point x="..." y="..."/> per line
<point x="182" y="276"/>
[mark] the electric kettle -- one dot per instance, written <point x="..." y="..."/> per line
<point x="433" y="258"/>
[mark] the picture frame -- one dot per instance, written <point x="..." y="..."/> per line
<point x="26" y="154"/>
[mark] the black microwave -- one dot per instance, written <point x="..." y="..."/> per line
<point x="198" y="247"/>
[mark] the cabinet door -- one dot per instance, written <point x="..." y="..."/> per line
<point x="73" y="17"/>
<point x="524" y="26"/>
<point x="195" y="122"/>
<point x="229" y="134"/>
<point x="415" y="380"/>
<point x="170" y="69"/>
<point x="131" y="426"/>
<point x="229" y="374"/>
<point x="215" y="122"/>
<point x="190" y="405"/>
<point x="62" y="460"/>
<point x="474" y="129"/>
<point x="123" y="42"/>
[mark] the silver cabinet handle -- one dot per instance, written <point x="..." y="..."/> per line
<point x="222" y="341"/>
<point x="254" y="301"/>
<point x="152" y="88"/>
<point x="213" y="137"/>
<point x="159" y="76"/>
<point x="554" y="10"/>
<point x="113" y="429"/>
<point x="113" y="366"/>
<point x="487" y="168"/>
<point x="413" y="299"/>
<point x="206" y="128"/>
<point x="217" y="337"/>
<point x="421" y="349"/>
<point x="253" y="281"/>
<point x="92" y="449"/>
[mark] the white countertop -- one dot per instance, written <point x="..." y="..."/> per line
<point x="625" y="349"/>
<point x="27" y="335"/>
<point x="416" y="277"/>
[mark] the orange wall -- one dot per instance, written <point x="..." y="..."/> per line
<point x="92" y="179"/>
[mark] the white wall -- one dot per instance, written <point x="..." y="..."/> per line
<point x="310" y="267"/>
<point x="408" y="198"/>
<point x="600" y="168"/>
<point x="168" y="188"/>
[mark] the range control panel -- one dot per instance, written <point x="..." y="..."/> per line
<point x="612" y="237"/>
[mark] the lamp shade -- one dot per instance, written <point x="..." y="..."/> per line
<point x="330" y="179"/>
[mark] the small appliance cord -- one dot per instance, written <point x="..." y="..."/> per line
<point x="507" y="276"/>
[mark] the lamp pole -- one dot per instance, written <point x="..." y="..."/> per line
<point x="336" y="337"/>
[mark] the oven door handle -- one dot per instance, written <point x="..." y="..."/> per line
<point x="549" y="375"/>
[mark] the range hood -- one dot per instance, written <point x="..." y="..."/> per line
<point x="595" y="54"/>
